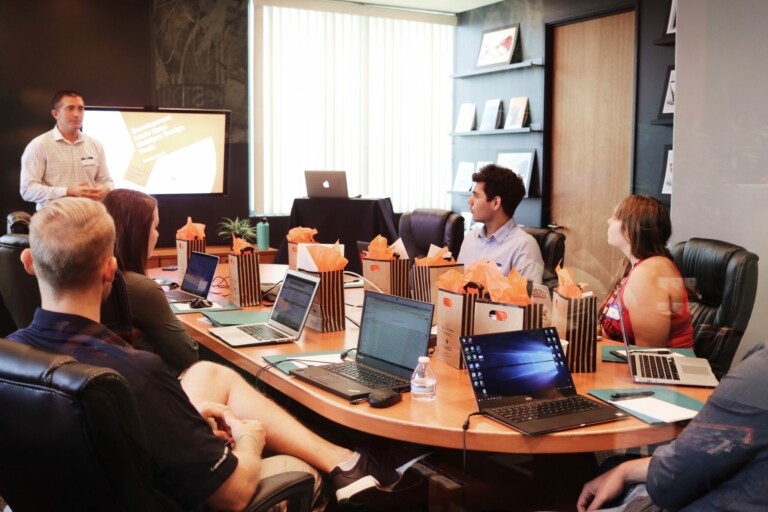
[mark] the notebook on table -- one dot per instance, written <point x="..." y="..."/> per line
<point x="326" y="183"/>
<point x="287" y="319"/>
<point x="197" y="279"/>
<point x="394" y="332"/>
<point x="648" y="368"/>
<point x="521" y="379"/>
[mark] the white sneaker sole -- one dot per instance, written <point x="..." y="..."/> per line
<point x="358" y="486"/>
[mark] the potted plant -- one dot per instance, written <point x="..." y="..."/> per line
<point x="241" y="228"/>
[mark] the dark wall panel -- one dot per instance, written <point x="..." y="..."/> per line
<point x="106" y="50"/>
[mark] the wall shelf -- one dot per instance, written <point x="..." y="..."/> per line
<point x="534" y="127"/>
<point x="517" y="65"/>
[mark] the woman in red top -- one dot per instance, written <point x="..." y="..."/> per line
<point x="650" y="289"/>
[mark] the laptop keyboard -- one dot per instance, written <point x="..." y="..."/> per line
<point x="262" y="332"/>
<point x="657" y="367"/>
<point x="539" y="410"/>
<point x="368" y="376"/>
<point x="180" y="295"/>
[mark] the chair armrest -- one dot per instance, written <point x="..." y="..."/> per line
<point x="297" y="487"/>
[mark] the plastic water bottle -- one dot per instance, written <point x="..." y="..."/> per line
<point x="423" y="382"/>
<point x="262" y="235"/>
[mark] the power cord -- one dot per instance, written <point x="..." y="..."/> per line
<point x="464" y="429"/>
<point x="365" y="280"/>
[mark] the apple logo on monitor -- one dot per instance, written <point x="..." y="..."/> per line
<point x="326" y="184"/>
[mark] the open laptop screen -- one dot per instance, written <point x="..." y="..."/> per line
<point x="199" y="275"/>
<point x="394" y="331"/>
<point x="293" y="301"/>
<point x="517" y="365"/>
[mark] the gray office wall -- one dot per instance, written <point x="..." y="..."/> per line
<point x="720" y="187"/>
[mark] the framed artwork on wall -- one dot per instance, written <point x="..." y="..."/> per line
<point x="667" y="108"/>
<point x="672" y="19"/>
<point x="666" y="185"/>
<point x="521" y="161"/>
<point x="498" y="46"/>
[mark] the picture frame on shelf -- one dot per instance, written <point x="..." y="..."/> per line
<point x="498" y="46"/>
<point x="521" y="162"/>
<point x="666" y="184"/>
<point x="667" y="107"/>
<point x="671" y="29"/>
<point x="463" y="180"/>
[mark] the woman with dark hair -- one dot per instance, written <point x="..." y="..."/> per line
<point x="136" y="221"/>
<point x="650" y="292"/>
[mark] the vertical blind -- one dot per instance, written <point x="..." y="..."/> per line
<point x="370" y="96"/>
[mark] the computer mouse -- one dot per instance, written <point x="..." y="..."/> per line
<point x="200" y="303"/>
<point x="381" y="398"/>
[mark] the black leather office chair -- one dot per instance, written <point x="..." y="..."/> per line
<point x="424" y="226"/>
<point x="21" y="296"/>
<point x="70" y="439"/>
<point x="552" y="245"/>
<point x="18" y="222"/>
<point x="721" y="297"/>
<point x="18" y="289"/>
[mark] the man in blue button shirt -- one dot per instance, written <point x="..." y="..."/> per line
<point x="495" y="197"/>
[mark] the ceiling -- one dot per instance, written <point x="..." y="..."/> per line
<point x="442" y="6"/>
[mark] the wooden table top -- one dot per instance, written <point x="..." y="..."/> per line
<point x="438" y="423"/>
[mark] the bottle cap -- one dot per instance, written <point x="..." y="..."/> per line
<point x="423" y="359"/>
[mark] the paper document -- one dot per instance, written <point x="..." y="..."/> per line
<point x="655" y="408"/>
<point x="302" y="361"/>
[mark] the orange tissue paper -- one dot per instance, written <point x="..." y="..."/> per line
<point x="240" y="244"/>
<point x="327" y="259"/>
<point x="436" y="260"/>
<point x="378" y="249"/>
<point x="300" y="235"/>
<point x="191" y="231"/>
<point x="566" y="286"/>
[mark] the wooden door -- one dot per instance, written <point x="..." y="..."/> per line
<point x="591" y="150"/>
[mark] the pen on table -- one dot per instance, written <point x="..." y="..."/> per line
<point x="358" y="401"/>
<point x="632" y="395"/>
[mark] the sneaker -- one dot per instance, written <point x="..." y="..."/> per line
<point x="368" y="473"/>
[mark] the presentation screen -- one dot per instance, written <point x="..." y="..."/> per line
<point x="163" y="151"/>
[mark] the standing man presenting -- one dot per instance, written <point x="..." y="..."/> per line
<point x="495" y="197"/>
<point x="64" y="161"/>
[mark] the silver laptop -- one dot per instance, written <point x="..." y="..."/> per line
<point x="197" y="279"/>
<point x="286" y="321"/>
<point x="326" y="183"/>
<point x="521" y="379"/>
<point x="394" y="332"/>
<point x="646" y="367"/>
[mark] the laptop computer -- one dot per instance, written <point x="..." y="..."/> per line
<point x="394" y="332"/>
<point x="197" y="279"/>
<point x="521" y="379"/>
<point x="287" y="319"/>
<point x="326" y="183"/>
<point x="647" y="367"/>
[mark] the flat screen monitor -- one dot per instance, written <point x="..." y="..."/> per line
<point x="163" y="151"/>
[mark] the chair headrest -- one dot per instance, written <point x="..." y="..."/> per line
<point x="18" y="241"/>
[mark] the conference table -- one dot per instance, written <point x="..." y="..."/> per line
<point x="438" y="423"/>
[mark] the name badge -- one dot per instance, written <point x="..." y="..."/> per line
<point x="613" y="312"/>
<point x="87" y="160"/>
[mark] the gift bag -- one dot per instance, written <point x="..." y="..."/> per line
<point x="492" y="317"/>
<point x="425" y="281"/>
<point x="576" y="321"/>
<point x="455" y="315"/>
<point x="327" y="311"/>
<point x="390" y="276"/>
<point x="244" y="281"/>
<point x="184" y="249"/>
<point x="293" y="250"/>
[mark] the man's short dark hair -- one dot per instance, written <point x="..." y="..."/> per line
<point x="60" y="94"/>
<point x="502" y="182"/>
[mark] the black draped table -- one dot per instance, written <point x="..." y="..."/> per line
<point x="345" y="220"/>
